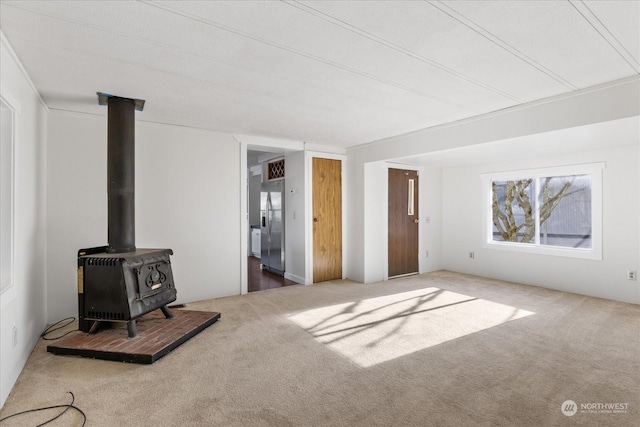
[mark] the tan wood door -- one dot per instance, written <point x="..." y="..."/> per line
<point x="403" y="222"/>
<point x="327" y="219"/>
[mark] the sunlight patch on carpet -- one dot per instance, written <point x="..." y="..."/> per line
<point x="380" y="329"/>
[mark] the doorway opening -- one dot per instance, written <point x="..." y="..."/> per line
<point x="266" y="221"/>
<point x="260" y="280"/>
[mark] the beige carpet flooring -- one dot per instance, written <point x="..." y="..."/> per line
<point x="439" y="349"/>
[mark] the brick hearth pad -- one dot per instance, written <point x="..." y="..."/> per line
<point x="156" y="337"/>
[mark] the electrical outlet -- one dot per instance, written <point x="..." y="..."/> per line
<point x="632" y="275"/>
<point x="14" y="337"/>
<point x="472" y="255"/>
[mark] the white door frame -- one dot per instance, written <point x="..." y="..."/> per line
<point x="245" y="141"/>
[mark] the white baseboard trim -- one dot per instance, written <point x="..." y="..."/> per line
<point x="294" y="278"/>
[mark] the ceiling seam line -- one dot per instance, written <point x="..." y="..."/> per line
<point x="357" y="30"/>
<point x="309" y="56"/>
<point x="206" y="58"/>
<point x="501" y="43"/>
<point x="633" y="65"/>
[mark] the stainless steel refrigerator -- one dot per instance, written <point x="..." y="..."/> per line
<point x="272" y="226"/>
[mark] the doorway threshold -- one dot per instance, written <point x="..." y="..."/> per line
<point x="404" y="275"/>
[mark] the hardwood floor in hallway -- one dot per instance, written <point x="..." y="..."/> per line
<point x="259" y="280"/>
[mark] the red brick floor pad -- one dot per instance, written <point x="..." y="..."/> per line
<point x="157" y="336"/>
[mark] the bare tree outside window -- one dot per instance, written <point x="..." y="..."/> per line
<point x="512" y="210"/>
<point x="562" y="204"/>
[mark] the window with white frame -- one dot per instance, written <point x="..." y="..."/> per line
<point x="6" y="194"/>
<point x="554" y="211"/>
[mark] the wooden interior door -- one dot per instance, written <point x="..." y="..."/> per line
<point x="327" y="219"/>
<point x="403" y="222"/>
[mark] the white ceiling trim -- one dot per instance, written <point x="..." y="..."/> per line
<point x="255" y="141"/>
<point x="24" y="73"/>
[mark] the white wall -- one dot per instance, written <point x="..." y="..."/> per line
<point x="431" y="208"/>
<point x="187" y="199"/>
<point x="23" y="305"/>
<point x="294" y="217"/>
<point x="355" y="229"/>
<point x="463" y="229"/>
<point x="375" y="221"/>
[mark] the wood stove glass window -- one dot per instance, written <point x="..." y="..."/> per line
<point x="6" y="194"/>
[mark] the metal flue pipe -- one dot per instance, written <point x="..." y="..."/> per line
<point x="121" y="172"/>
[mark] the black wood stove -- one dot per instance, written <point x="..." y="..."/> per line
<point x="119" y="282"/>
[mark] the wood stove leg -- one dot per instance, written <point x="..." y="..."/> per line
<point x="166" y="312"/>
<point x="132" y="330"/>
<point x="94" y="327"/>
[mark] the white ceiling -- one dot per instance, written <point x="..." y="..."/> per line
<point x="331" y="72"/>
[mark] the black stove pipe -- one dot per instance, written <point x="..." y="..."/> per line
<point x="121" y="174"/>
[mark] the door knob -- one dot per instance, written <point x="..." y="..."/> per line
<point x="416" y="220"/>
<point x="315" y="219"/>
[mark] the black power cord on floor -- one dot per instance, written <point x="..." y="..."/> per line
<point x="66" y="408"/>
<point x="49" y="329"/>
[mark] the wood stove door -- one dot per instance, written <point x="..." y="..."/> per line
<point x="153" y="278"/>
